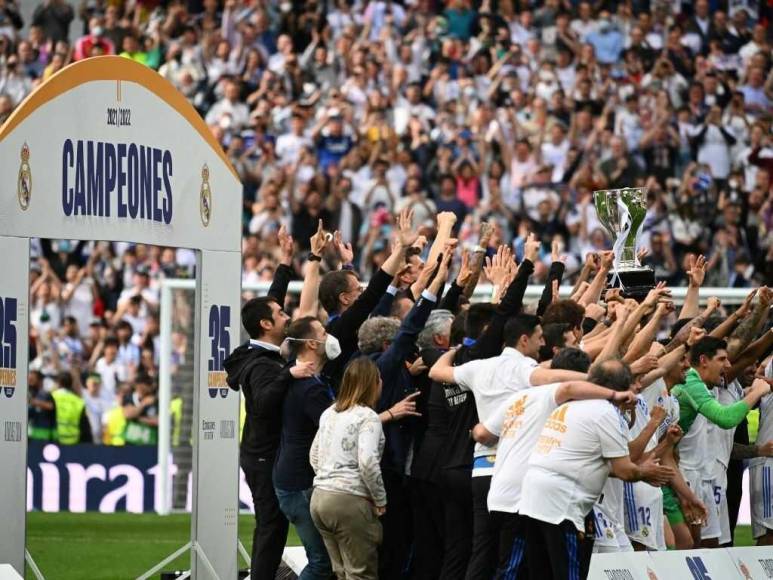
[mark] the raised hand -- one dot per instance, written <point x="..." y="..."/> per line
<point x="645" y="364"/>
<point x="607" y="260"/>
<point x="744" y="309"/>
<point x="531" y="248"/>
<point x="406" y="235"/>
<point x="555" y="251"/>
<point x="345" y="251"/>
<point x="496" y="266"/>
<point x="665" y="308"/>
<point x="658" y="292"/>
<point x="446" y="218"/>
<point x="613" y="295"/>
<point x="285" y="245"/>
<point x="696" y="333"/>
<point x="465" y="272"/>
<point x="713" y="304"/>
<point x="697" y="270"/>
<point x="319" y="240"/>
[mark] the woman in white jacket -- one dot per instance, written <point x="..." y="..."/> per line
<point x="348" y="492"/>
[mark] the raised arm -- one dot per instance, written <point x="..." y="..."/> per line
<point x="476" y="260"/>
<point x="696" y="274"/>
<point x="309" y="304"/>
<point x="750" y="325"/>
<point x="582" y="390"/>
<point x="646" y="336"/>
<point x="443" y="369"/>
<point x="445" y="224"/>
<point x="283" y="273"/>
<point x="755" y="352"/>
<point x="593" y="293"/>
<point x="556" y="274"/>
<point x="636" y="446"/>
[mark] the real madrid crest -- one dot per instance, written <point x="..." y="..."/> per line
<point x="24" y="184"/>
<point x="205" y="197"/>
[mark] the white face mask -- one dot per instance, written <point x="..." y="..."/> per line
<point x="332" y="346"/>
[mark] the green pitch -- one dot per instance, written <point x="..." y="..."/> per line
<point x="119" y="546"/>
<point x="122" y="546"/>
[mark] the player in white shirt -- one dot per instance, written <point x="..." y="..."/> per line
<point x="516" y="425"/>
<point x="581" y="444"/>
<point x="643" y="502"/>
<point x="492" y="381"/>
<point x="760" y="479"/>
<point x="697" y="408"/>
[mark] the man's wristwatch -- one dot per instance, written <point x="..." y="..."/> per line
<point x="314" y="258"/>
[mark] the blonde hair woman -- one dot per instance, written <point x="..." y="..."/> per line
<point x="349" y="493"/>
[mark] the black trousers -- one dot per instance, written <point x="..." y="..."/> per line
<point x="557" y="551"/>
<point x="512" y="546"/>
<point x="734" y="492"/>
<point x="456" y="488"/>
<point x="270" y="536"/>
<point x="428" y="530"/>
<point x="396" y="526"/>
<point x="485" y="534"/>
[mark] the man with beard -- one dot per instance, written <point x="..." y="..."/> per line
<point x="253" y="367"/>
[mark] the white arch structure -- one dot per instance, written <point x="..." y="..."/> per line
<point x="108" y="150"/>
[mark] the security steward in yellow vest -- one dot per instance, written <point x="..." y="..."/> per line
<point x="72" y="424"/>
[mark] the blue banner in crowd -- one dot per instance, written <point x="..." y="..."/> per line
<point x="80" y="478"/>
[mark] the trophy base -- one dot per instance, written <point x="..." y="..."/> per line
<point x="636" y="282"/>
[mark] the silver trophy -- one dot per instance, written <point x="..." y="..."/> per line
<point x="622" y="211"/>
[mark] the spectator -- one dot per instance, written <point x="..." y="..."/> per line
<point x="97" y="407"/>
<point x="54" y="17"/>
<point x="94" y="41"/>
<point x="41" y="413"/>
<point x="72" y="422"/>
<point x="348" y="492"/>
<point x="140" y="408"/>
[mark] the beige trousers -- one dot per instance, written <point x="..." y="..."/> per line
<point x="351" y="532"/>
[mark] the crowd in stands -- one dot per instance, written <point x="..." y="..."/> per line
<point x="489" y="124"/>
